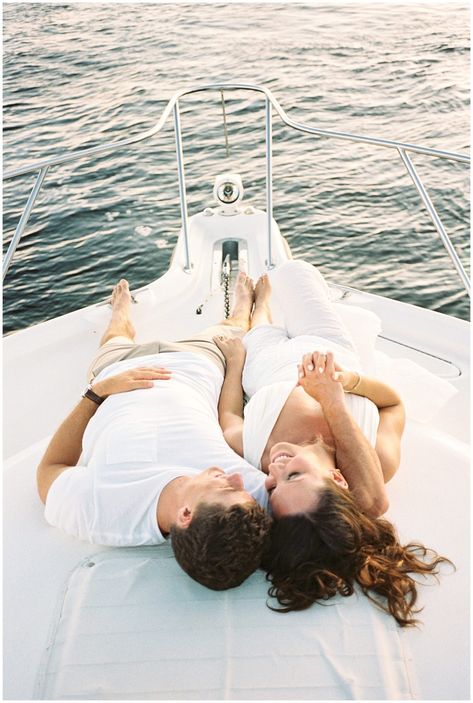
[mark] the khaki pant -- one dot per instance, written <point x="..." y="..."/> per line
<point x="120" y="348"/>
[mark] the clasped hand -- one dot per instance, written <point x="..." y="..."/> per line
<point x="131" y="380"/>
<point x="322" y="378"/>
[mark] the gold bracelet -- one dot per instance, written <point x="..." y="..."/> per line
<point x="356" y="384"/>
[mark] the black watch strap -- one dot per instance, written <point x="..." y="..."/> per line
<point x="89" y="393"/>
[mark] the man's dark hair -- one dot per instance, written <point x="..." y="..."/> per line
<point x="222" y="546"/>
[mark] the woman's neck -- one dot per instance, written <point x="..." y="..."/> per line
<point x="301" y="420"/>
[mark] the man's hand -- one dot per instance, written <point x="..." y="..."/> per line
<point x="232" y="348"/>
<point x="318" y="377"/>
<point x="65" y="446"/>
<point x="131" y="380"/>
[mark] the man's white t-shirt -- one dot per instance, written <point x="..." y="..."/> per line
<point x="135" y="444"/>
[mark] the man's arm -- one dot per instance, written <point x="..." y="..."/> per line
<point x="355" y="457"/>
<point x="65" y="447"/>
<point x="230" y="404"/>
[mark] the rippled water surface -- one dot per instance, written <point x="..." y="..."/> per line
<point x="81" y="75"/>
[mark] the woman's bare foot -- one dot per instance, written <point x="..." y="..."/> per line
<point x="120" y="325"/>
<point x="262" y="311"/>
<point x="263" y="290"/>
<point x="243" y="298"/>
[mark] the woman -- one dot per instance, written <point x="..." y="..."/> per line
<point x="329" y="440"/>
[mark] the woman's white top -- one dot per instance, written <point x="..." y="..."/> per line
<point x="272" y="355"/>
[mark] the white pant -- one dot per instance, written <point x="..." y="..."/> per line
<point x="302" y="295"/>
<point x="311" y="323"/>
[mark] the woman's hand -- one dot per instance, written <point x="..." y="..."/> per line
<point x="232" y="348"/>
<point x="320" y="379"/>
<point x="348" y="379"/>
<point x="131" y="380"/>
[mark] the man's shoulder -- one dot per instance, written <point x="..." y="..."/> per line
<point x="71" y="478"/>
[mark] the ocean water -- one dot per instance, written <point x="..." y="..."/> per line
<point x="78" y="75"/>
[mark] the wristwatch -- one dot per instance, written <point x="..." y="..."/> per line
<point x="89" y="393"/>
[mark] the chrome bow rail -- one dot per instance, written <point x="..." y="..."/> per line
<point x="42" y="168"/>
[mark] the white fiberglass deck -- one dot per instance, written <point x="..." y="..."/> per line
<point x="133" y="626"/>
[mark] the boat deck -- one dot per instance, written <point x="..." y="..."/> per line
<point x="111" y="624"/>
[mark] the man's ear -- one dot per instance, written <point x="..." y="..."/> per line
<point x="184" y="517"/>
<point x="339" y="478"/>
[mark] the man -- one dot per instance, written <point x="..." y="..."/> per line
<point x="126" y="466"/>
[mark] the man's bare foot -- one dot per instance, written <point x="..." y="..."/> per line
<point x="120" y="323"/>
<point x="121" y="296"/>
<point x="243" y="297"/>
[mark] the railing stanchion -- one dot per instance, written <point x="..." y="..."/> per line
<point x="182" y="185"/>
<point x="435" y="219"/>
<point x="269" y="182"/>
<point x="271" y="102"/>
<point x="23" y="221"/>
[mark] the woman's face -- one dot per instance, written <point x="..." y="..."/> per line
<point x="296" y="475"/>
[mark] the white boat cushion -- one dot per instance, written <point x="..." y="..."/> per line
<point x="423" y="393"/>
<point x="364" y="327"/>
<point x="133" y="625"/>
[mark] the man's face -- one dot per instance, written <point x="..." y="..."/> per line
<point x="215" y="486"/>
<point x="296" y="475"/>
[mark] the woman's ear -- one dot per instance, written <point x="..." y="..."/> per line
<point x="339" y="478"/>
<point x="184" y="517"/>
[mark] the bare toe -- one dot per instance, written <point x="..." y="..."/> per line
<point x="263" y="288"/>
<point x="121" y="295"/>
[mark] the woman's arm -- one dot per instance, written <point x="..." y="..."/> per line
<point x="230" y="404"/>
<point x="355" y="457"/>
<point x="391" y="415"/>
<point x="358" y="461"/>
<point x="379" y="393"/>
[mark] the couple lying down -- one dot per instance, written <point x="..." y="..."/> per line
<point x="160" y="444"/>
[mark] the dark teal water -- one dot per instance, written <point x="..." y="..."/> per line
<point x="81" y="74"/>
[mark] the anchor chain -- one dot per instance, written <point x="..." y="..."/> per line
<point x="226" y="285"/>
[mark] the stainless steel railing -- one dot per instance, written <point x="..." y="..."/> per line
<point x="41" y="168"/>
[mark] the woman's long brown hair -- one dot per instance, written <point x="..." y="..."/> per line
<point x="313" y="556"/>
